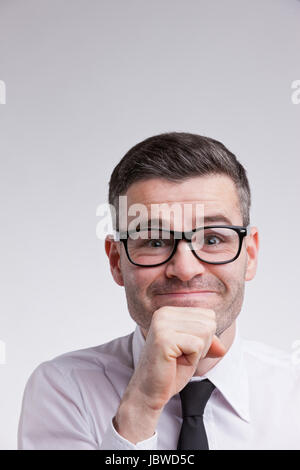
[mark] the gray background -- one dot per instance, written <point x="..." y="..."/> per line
<point x="86" y="80"/>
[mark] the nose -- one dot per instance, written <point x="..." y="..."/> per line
<point x="184" y="265"/>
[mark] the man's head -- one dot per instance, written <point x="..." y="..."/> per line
<point x="184" y="169"/>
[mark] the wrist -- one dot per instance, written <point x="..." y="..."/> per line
<point x="135" y="420"/>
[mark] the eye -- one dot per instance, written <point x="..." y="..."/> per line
<point x="156" y="243"/>
<point x="213" y="240"/>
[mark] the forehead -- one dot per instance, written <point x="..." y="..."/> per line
<point x="217" y="194"/>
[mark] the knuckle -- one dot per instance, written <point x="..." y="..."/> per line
<point x="207" y="331"/>
<point x="200" y="345"/>
<point x="157" y="316"/>
<point x="211" y="313"/>
<point x="156" y="328"/>
<point x="159" y="334"/>
<point x="212" y="324"/>
<point x="161" y="313"/>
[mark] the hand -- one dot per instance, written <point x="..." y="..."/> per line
<point x="177" y="339"/>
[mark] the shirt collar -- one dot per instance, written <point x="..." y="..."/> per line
<point x="229" y="375"/>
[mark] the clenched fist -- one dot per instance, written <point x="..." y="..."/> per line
<point x="177" y="339"/>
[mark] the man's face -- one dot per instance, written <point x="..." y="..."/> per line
<point x="148" y="289"/>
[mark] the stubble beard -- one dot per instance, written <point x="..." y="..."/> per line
<point x="226" y="310"/>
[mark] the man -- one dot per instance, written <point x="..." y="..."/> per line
<point x="184" y="287"/>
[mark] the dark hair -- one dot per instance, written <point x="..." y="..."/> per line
<point x="176" y="156"/>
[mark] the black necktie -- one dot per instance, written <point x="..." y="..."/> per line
<point x="194" y="397"/>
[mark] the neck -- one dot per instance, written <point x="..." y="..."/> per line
<point x="207" y="363"/>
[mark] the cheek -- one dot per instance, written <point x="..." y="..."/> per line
<point x="138" y="279"/>
<point x="231" y="274"/>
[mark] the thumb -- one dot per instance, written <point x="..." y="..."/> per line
<point x="217" y="348"/>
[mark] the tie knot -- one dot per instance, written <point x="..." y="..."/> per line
<point x="194" y="397"/>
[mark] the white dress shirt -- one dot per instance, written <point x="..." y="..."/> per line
<point x="69" y="401"/>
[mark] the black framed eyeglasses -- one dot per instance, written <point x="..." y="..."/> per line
<point x="214" y="244"/>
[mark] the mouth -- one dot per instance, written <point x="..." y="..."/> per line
<point x="189" y="294"/>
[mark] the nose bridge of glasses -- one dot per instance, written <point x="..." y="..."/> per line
<point x="183" y="244"/>
<point x="184" y="262"/>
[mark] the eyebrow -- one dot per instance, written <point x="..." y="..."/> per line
<point x="217" y="218"/>
<point x="214" y="218"/>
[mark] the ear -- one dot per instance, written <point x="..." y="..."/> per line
<point x="112" y="249"/>
<point x="252" y="247"/>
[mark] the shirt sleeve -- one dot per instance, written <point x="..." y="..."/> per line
<point x="112" y="440"/>
<point x="53" y="417"/>
<point x="52" y="413"/>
